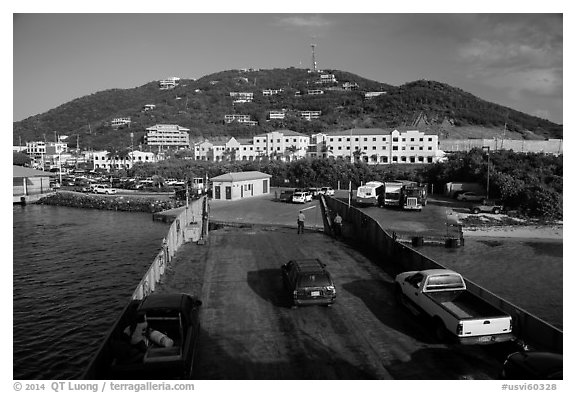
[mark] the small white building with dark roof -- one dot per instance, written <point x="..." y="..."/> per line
<point x="29" y="183"/>
<point x="239" y="185"/>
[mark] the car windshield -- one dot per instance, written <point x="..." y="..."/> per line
<point x="314" y="280"/>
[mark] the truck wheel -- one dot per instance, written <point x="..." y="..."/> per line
<point x="496" y="210"/>
<point x="476" y="210"/>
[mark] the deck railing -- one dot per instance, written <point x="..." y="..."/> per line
<point x="363" y="230"/>
<point x="191" y="216"/>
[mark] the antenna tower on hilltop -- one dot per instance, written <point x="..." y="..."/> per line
<point x="313" y="57"/>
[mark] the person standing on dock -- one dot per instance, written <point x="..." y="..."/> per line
<point x="301" y="218"/>
<point x="338" y="225"/>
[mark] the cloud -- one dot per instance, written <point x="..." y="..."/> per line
<point x="305" y="21"/>
<point x="521" y="53"/>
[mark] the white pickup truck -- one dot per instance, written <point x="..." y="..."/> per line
<point x="442" y="295"/>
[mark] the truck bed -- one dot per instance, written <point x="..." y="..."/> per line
<point x="464" y="305"/>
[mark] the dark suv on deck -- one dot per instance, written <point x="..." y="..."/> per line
<point x="308" y="282"/>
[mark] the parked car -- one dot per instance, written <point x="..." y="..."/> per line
<point x="487" y="206"/>
<point x="308" y="282"/>
<point x="81" y="188"/>
<point x="301" y="197"/>
<point x="313" y="191"/>
<point x="470" y="196"/>
<point x="528" y="365"/>
<point x="329" y="191"/>
<point x="176" y="316"/>
<point x="286" y="195"/>
<point x="103" y="189"/>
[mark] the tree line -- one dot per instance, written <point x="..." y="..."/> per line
<point x="529" y="183"/>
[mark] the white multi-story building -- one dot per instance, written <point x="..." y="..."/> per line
<point x="121" y="121"/>
<point x="310" y="115"/>
<point x="377" y="146"/>
<point x="350" y="86"/>
<point x="315" y="92"/>
<point x="327" y="79"/>
<point x="271" y="92"/>
<point x="169" y="83"/>
<point x="242" y="96"/>
<point x="43" y="150"/>
<point x="281" y="144"/>
<point x="231" y="150"/>
<point x="277" y="115"/>
<point x="244" y="119"/>
<point x="372" y="94"/>
<point x="103" y="160"/>
<point x="167" y="135"/>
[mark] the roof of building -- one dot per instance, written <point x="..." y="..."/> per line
<point x="373" y="131"/>
<point x="285" y="132"/>
<point x="20" y="171"/>
<point x="241" y="176"/>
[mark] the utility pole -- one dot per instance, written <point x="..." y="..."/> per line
<point x="487" y="148"/>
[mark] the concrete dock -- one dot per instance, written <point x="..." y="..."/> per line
<point x="249" y="330"/>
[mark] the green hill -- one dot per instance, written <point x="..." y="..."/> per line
<point x="200" y="105"/>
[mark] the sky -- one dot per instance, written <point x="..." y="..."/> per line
<point x="515" y="60"/>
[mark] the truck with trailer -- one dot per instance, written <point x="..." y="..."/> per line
<point x="413" y="197"/>
<point x="367" y="195"/>
<point x="455" y="313"/>
<point x="391" y="196"/>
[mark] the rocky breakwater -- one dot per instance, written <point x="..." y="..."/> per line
<point x="144" y="204"/>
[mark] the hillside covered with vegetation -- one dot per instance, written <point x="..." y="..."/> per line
<point x="200" y="105"/>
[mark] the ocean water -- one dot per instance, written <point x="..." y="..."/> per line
<point x="73" y="272"/>
<point x="528" y="273"/>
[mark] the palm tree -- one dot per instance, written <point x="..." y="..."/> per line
<point x="290" y="151"/>
<point x="358" y="154"/>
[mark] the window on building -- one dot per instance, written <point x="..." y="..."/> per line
<point x="347" y="147"/>
<point x="429" y="139"/>
<point x="411" y="139"/>
<point x="429" y="147"/>
<point x="347" y="139"/>
<point x="373" y="139"/>
<point x="365" y="139"/>
<point x="395" y="139"/>
<point x="356" y="139"/>
<point x="394" y="147"/>
<point x="394" y="159"/>
<point x="332" y="139"/>
<point x="421" y="148"/>
<point x="403" y="158"/>
<point x="373" y="147"/>
<point x="429" y="159"/>
<point x="421" y="139"/>
<point x="411" y="147"/>
<point x="421" y="159"/>
<point x="403" y="147"/>
<point x="339" y="147"/>
<point x="365" y="147"/>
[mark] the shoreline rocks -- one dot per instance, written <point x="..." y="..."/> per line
<point x="125" y="203"/>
